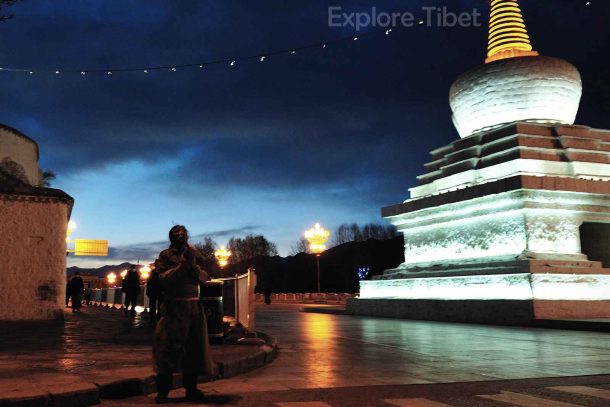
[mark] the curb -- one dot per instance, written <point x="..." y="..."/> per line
<point x="223" y="370"/>
<point x="131" y="387"/>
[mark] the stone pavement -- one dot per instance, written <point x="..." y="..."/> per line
<point x="97" y="353"/>
<point x="330" y="360"/>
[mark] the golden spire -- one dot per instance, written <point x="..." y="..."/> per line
<point x="508" y="36"/>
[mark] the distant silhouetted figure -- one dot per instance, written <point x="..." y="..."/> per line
<point x="267" y="295"/>
<point x="153" y="292"/>
<point x="88" y="294"/>
<point x="181" y="338"/>
<point x="131" y="288"/>
<point x="76" y="291"/>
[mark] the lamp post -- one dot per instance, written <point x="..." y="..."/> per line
<point x="111" y="279"/>
<point x="222" y="255"/>
<point x="317" y="238"/>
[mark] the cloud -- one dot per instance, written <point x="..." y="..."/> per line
<point x="148" y="251"/>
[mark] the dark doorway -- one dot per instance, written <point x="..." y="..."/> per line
<point x="595" y="242"/>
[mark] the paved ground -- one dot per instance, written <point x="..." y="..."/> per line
<point x="98" y="352"/>
<point x="338" y="360"/>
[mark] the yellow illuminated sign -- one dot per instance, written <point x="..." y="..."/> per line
<point x="90" y="247"/>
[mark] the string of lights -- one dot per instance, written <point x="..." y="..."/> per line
<point x="231" y="62"/>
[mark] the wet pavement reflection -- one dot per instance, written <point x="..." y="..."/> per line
<point x="324" y="350"/>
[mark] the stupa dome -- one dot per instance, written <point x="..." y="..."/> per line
<point x="515" y="84"/>
<point x="526" y="89"/>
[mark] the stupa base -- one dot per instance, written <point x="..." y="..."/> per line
<point x="507" y="293"/>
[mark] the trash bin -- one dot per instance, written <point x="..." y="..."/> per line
<point x="210" y="295"/>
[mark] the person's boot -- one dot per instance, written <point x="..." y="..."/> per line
<point x="189" y="381"/>
<point x="164" y="385"/>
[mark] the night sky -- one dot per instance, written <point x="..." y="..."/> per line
<point x="326" y="134"/>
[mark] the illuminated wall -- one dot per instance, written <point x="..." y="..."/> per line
<point x="506" y="226"/>
<point x="519" y="286"/>
<point x="480" y="287"/>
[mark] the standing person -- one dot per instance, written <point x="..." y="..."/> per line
<point x="131" y="288"/>
<point x="88" y="294"/>
<point x="181" y="338"/>
<point x="76" y="291"/>
<point x="268" y="295"/>
<point x="153" y="292"/>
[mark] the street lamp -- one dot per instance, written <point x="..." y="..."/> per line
<point x="111" y="278"/>
<point x="317" y="238"/>
<point x="145" y="272"/>
<point x="71" y="227"/>
<point x="222" y="255"/>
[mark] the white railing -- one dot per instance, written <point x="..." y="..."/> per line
<point x="240" y="290"/>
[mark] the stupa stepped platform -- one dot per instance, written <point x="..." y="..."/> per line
<point x="531" y="266"/>
<point x="521" y="148"/>
<point x="517" y="218"/>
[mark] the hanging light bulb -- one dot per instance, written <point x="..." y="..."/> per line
<point x="232" y="63"/>
<point x="263" y="58"/>
<point x="82" y="72"/>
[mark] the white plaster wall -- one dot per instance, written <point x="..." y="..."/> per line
<point x="22" y="151"/>
<point x="495" y="236"/>
<point x="554" y="231"/>
<point x="33" y="259"/>
<point x="507" y="226"/>
<point x="508" y="287"/>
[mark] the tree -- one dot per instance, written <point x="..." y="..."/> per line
<point x="301" y="246"/>
<point x="5" y="3"/>
<point x="355" y="233"/>
<point x="250" y="247"/>
<point x="47" y="177"/>
<point x="206" y="249"/>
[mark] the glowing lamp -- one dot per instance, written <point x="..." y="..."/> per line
<point x="317" y="238"/>
<point x="222" y="255"/>
<point x="123" y="273"/>
<point x="71" y="227"/>
<point x="145" y="272"/>
<point x="111" y="278"/>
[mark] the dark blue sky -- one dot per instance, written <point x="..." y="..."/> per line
<point x="327" y="135"/>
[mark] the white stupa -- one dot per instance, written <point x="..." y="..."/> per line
<point x="511" y="222"/>
<point x="515" y="84"/>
